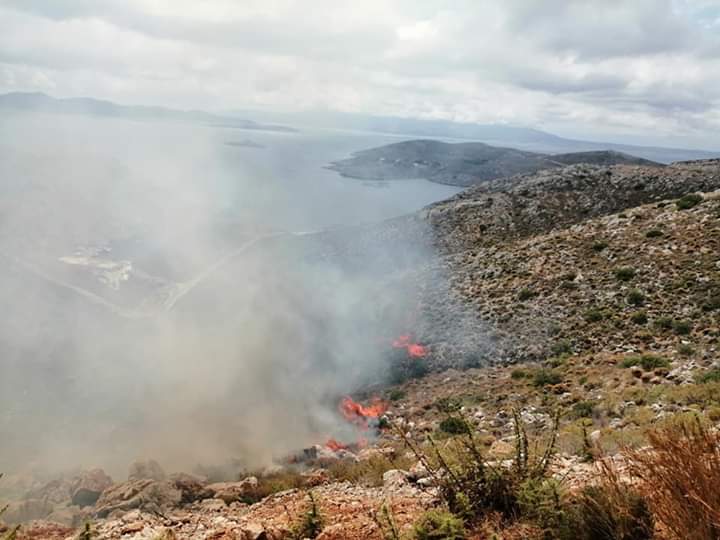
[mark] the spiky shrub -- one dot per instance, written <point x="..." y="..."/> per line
<point x="439" y="524"/>
<point x="680" y="474"/>
<point x="472" y="487"/>
<point x="311" y="523"/>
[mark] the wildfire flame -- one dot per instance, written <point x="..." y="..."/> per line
<point x="414" y="350"/>
<point x="334" y="445"/>
<point x="358" y="414"/>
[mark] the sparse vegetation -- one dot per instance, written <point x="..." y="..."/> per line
<point x="599" y="246"/>
<point x="654" y="233"/>
<point x="639" y="317"/>
<point x="648" y="362"/>
<point x="711" y="375"/>
<point x="561" y="347"/>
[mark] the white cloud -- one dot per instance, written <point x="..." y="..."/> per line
<point x="617" y="65"/>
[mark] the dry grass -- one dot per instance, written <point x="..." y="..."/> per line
<point x="681" y="475"/>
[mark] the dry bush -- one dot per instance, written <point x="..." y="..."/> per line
<point x="681" y="475"/>
<point x="611" y="509"/>
<point x="367" y="472"/>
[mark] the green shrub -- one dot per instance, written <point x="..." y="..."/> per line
<point x="439" y="524"/>
<point x="594" y="315"/>
<point x="648" y="362"/>
<point x="518" y="374"/>
<point x="711" y="375"/>
<point x="583" y="409"/>
<point x="688" y="201"/>
<point x="636" y="298"/>
<point x="454" y="425"/>
<point x="639" y="317"/>
<point x="525" y="294"/>
<point x="664" y="323"/>
<point x="625" y="273"/>
<point x="545" y="377"/>
<point x="712" y="303"/>
<point x="396" y="394"/>
<point x="682" y="328"/>
<point x="561" y="347"/>
<point x="654" y="233"/>
<point x="599" y="246"/>
<point x="685" y="349"/>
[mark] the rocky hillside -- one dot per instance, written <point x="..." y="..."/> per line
<point x="463" y="164"/>
<point x="579" y="305"/>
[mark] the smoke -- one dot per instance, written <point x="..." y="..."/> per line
<point x="148" y="317"/>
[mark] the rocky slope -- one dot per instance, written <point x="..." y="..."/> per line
<point x="463" y="164"/>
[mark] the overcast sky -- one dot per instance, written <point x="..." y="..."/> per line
<point x="576" y="67"/>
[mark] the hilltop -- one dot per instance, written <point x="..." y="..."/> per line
<point x="463" y="164"/>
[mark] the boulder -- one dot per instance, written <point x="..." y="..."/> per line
<point x="233" y="491"/>
<point x="395" y="479"/>
<point x="87" y="487"/>
<point x="192" y="488"/>
<point x="137" y="494"/>
<point x="146" y="470"/>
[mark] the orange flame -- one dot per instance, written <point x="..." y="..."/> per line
<point x="334" y="445"/>
<point x="414" y="350"/>
<point x="358" y="414"/>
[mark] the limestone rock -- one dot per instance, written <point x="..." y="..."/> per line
<point x="233" y="491"/>
<point x="87" y="487"/>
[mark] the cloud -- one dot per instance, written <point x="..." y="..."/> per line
<point x="627" y="64"/>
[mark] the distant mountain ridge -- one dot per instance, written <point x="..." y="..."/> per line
<point x="521" y="138"/>
<point x="464" y="164"/>
<point x="37" y="101"/>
